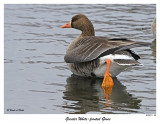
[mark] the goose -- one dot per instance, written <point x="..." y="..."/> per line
<point x="153" y="27"/>
<point x="96" y="56"/>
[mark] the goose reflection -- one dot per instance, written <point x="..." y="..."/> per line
<point x="86" y="95"/>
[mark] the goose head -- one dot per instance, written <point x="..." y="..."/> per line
<point x="81" y="22"/>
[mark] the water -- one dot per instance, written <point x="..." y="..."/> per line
<point x="37" y="79"/>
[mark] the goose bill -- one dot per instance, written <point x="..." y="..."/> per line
<point x="68" y="25"/>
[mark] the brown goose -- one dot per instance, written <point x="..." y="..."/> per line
<point x="154" y="28"/>
<point x="88" y="54"/>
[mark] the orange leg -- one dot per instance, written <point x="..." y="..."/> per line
<point x="107" y="81"/>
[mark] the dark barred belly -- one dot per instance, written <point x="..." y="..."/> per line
<point x="85" y="68"/>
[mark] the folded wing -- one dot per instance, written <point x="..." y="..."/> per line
<point x="90" y="48"/>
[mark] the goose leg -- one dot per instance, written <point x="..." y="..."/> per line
<point x="107" y="81"/>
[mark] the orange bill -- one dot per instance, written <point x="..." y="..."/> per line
<point x="68" y="25"/>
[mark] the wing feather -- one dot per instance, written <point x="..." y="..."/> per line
<point x="90" y="48"/>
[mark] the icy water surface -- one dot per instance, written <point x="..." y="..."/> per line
<point x="37" y="79"/>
